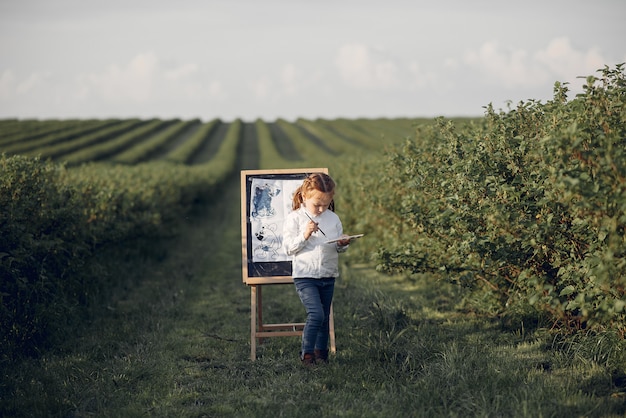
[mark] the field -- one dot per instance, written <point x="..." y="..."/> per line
<point x="490" y="281"/>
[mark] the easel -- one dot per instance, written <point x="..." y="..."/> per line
<point x="257" y="275"/>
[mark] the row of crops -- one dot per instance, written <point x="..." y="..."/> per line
<point x="191" y="142"/>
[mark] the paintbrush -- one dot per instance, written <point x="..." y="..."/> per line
<point x="318" y="228"/>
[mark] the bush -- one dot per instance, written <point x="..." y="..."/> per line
<point x="526" y="210"/>
<point x="42" y="246"/>
<point x="54" y="220"/>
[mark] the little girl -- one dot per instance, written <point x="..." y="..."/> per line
<point x="315" y="264"/>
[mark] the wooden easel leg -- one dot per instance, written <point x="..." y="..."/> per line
<point x="253" y="327"/>
<point x="259" y="312"/>
<point x="331" y="329"/>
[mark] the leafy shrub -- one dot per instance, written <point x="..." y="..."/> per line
<point x="527" y="209"/>
<point x="41" y="246"/>
<point x="54" y="219"/>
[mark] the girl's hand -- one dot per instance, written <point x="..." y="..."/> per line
<point x="309" y="229"/>
<point x="344" y="242"/>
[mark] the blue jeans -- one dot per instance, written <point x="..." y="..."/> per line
<point x="316" y="296"/>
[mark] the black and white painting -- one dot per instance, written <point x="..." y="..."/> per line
<point x="270" y="202"/>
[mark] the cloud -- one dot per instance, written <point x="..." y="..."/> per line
<point x="216" y="90"/>
<point x="261" y="88"/>
<point x="359" y="67"/>
<point x="146" y="79"/>
<point x="7" y="84"/>
<point x="181" y="72"/>
<point x="421" y="79"/>
<point x="558" y="61"/>
<point x="289" y="79"/>
<point x="566" y="63"/>
<point x="11" y="86"/>
<point x="134" y="82"/>
<point x="288" y="82"/>
<point x="32" y="83"/>
<point x="508" y="66"/>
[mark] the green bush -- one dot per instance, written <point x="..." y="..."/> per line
<point x="527" y="209"/>
<point x="55" y="219"/>
<point x="42" y="245"/>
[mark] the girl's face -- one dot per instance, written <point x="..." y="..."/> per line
<point x="317" y="202"/>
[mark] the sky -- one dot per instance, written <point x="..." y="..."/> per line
<point x="250" y="59"/>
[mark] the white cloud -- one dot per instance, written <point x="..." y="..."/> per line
<point x="216" y="90"/>
<point x="451" y="64"/>
<point x="566" y="63"/>
<point x="289" y="79"/>
<point x="558" y="61"/>
<point x="261" y="88"/>
<point x="511" y="67"/>
<point x="7" y="84"/>
<point x="181" y="72"/>
<point x="144" y="79"/>
<point x="289" y="82"/>
<point x="420" y="78"/>
<point x="297" y="82"/>
<point x="11" y="86"/>
<point x="32" y="83"/>
<point x="361" y="69"/>
<point x="133" y="82"/>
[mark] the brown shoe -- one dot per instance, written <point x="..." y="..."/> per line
<point x="321" y="356"/>
<point x="308" y="359"/>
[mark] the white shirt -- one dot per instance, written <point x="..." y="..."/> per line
<point x="313" y="257"/>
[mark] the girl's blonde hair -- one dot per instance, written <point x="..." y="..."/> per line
<point x="320" y="182"/>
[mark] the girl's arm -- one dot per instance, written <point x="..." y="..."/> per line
<point x="342" y="245"/>
<point x="293" y="236"/>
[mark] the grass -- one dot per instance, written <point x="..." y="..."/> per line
<point x="176" y="343"/>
